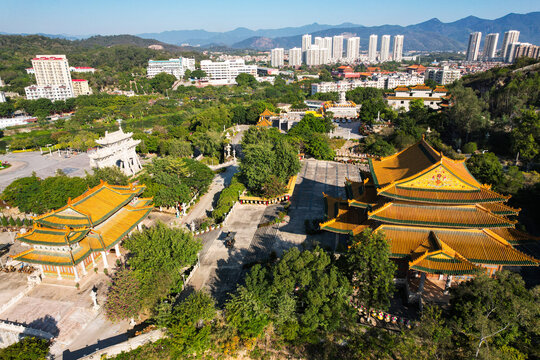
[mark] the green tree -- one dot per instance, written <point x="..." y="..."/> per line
<point x="470" y="148"/>
<point x="431" y="339"/>
<point x="490" y="316"/>
<point x="198" y="74"/>
<point x="158" y="256"/>
<point x="179" y="148"/>
<point x="467" y="112"/>
<point x="162" y="82"/>
<point x="303" y="295"/>
<point x="370" y="269"/>
<point x="526" y="135"/>
<point x="23" y="193"/>
<point x="29" y="348"/>
<point x="325" y="75"/>
<point x="124" y="296"/>
<point x="111" y="174"/>
<point x="486" y="168"/>
<point x="190" y="328"/>
<point x="246" y="80"/>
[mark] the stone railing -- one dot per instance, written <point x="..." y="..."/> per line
<point x="11" y="332"/>
<point x="126" y="346"/>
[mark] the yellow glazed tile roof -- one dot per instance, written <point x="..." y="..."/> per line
<point x="60" y="258"/>
<point x="49" y="236"/>
<point x="462" y="216"/>
<point x="342" y="218"/>
<point x="403" y="164"/>
<point x="501" y="209"/>
<point x="514" y="236"/>
<point x="118" y="226"/>
<point x="479" y="246"/>
<point x="92" y="207"/>
<point x="480" y="195"/>
<point x="359" y="194"/>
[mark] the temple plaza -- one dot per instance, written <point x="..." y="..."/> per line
<point x="439" y="220"/>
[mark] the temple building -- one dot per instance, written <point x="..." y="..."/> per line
<point x="267" y="118"/>
<point x="438" y="219"/>
<point x="342" y="109"/>
<point x="117" y="149"/>
<point x="65" y="243"/>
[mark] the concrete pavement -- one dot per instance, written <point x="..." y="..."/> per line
<point x="44" y="165"/>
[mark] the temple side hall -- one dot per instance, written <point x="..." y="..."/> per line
<point x="66" y="243"/>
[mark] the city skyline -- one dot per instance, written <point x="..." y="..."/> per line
<point x="31" y="16"/>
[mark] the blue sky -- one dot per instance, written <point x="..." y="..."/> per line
<point x="138" y="16"/>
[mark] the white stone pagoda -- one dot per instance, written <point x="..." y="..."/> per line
<point x="117" y="149"/>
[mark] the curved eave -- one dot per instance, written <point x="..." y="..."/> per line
<point x="440" y="201"/>
<point x="444" y="272"/>
<point x="437" y="224"/>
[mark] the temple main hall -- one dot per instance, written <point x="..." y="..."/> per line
<point x="67" y="242"/>
<point x="438" y="219"/>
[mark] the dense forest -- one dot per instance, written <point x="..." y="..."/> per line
<point x="117" y="57"/>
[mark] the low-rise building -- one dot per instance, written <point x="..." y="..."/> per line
<point x="379" y="81"/>
<point x="402" y="96"/>
<point x="175" y="67"/>
<point x="80" y="87"/>
<point x="16" y="121"/>
<point x="227" y="70"/>
<point x="82" y="69"/>
<point x="51" y="92"/>
<point x="2" y="97"/>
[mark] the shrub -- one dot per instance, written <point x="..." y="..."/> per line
<point x="470" y="147"/>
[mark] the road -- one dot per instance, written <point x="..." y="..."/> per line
<point x="23" y="164"/>
<point x="209" y="200"/>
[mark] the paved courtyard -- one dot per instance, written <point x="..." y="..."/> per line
<point x="222" y="268"/>
<point x="23" y="164"/>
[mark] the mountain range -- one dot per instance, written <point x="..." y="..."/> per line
<point x="429" y="35"/>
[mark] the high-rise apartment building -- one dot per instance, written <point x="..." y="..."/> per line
<point x="385" y="48"/>
<point x="313" y="56"/>
<point x="327" y="43"/>
<point x="276" y="57"/>
<point x="324" y="56"/>
<point x="397" y="53"/>
<point x="51" y="70"/>
<point x="372" y="50"/>
<point x="517" y="50"/>
<point x="474" y="46"/>
<point x="510" y="37"/>
<point x="319" y="41"/>
<point x="306" y="42"/>
<point x="353" y="48"/>
<point x="53" y="78"/>
<point x="490" y="46"/>
<point x="337" y="48"/>
<point x="295" y="57"/>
